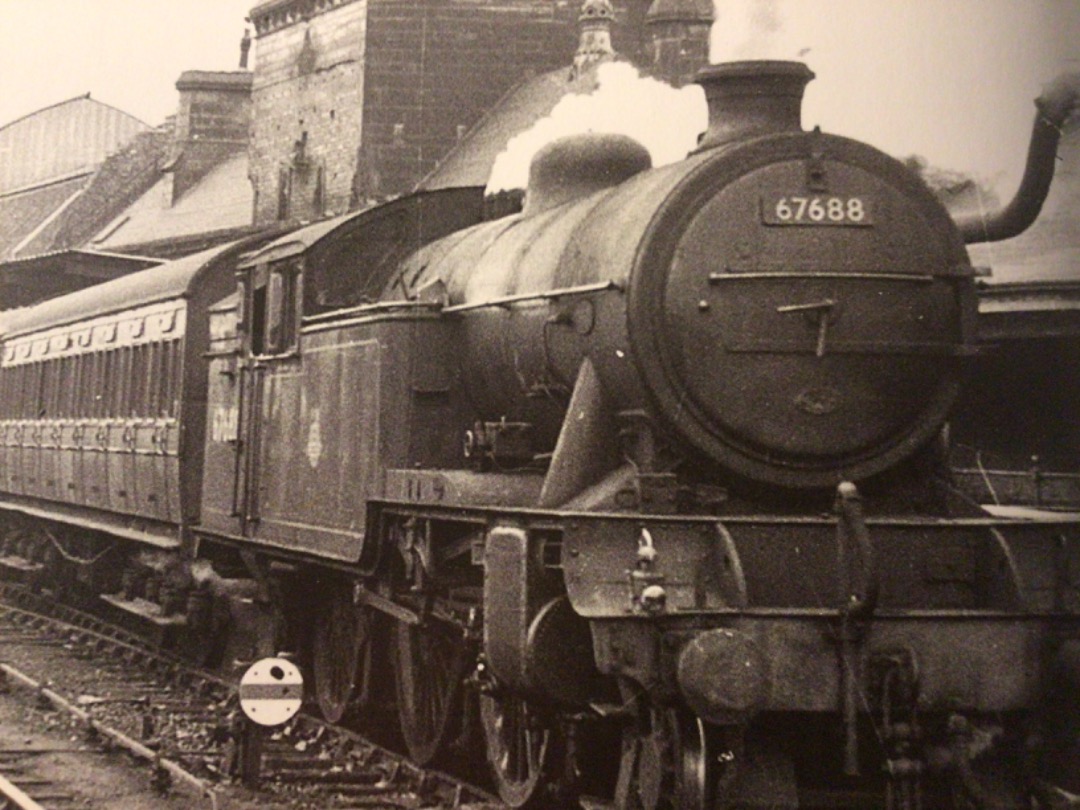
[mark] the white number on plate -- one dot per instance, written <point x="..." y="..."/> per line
<point x="817" y="210"/>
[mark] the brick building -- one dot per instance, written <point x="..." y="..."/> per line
<point x="358" y="99"/>
<point x="677" y="40"/>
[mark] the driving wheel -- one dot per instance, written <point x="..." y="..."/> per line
<point x="666" y="763"/>
<point x="429" y="664"/>
<point x="342" y="633"/>
<point x="518" y="749"/>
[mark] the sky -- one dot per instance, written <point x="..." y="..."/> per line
<point x="951" y="80"/>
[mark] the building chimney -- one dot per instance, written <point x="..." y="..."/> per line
<point x="679" y="31"/>
<point x="750" y="99"/>
<point x="211" y="124"/>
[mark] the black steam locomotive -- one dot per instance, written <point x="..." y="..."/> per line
<point x="644" y="490"/>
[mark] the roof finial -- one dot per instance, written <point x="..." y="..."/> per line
<point x="595" y="43"/>
<point x="245" y="49"/>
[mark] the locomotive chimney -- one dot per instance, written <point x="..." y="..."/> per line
<point x="749" y="99"/>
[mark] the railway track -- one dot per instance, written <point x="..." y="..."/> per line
<point x="184" y="725"/>
<point x="26" y="793"/>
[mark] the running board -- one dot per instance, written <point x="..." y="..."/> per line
<point x="146" y="618"/>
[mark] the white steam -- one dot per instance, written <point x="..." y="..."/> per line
<point x="665" y="120"/>
<point x="752" y="31"/>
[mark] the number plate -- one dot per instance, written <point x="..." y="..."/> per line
<point x="820" y="209"/>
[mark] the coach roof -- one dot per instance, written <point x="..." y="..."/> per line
<point x="169" y="280"/>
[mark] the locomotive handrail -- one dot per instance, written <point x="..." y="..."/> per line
<point x="738" y="275"/>
<point x="542" y="295"/>
<point x="860" y="585"/>
<point x="367" y="309"/>
<point x="1058" y="102"/>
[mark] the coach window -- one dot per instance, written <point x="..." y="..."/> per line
<point x="33" y="401"/>
<point x="70" y="376"/>
<point x="84" y="410"/>
<point x="14" y="384"/>
<point x="170" y="379"/>
<point x="255" y="309"/>
<point x="47" y="403"/>
<point x="23" y="383"/>
<point x="8" y="392"/>
<point x="153" y="381"/>
<point x="97" y="409"/>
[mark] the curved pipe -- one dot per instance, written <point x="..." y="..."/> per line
<point x="1059" y="100"/>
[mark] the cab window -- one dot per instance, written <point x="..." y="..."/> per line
<point x="275" y="290"/>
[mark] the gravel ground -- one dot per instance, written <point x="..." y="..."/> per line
<point x="102" y="781"/>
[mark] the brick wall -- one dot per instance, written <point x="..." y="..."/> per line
<point x="436" y="66"/>
<point x="309" y="78"/>
<point x="384" y="88"/>
<point x="680" y="50"/>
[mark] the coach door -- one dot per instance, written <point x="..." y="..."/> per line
<point x="269" y="319"/>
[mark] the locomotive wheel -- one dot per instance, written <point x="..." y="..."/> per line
<point x="518" y="749"/>
<point x="429" y="662"/>
<point x="342" y="632"/>
<point x="669" y="764"/>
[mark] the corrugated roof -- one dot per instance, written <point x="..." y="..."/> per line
<point x="121" y="179"/>
<point x="21" y="214"/>
<point x="73" y="136"/>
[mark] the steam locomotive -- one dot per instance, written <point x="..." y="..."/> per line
<point x="642" y="491"/>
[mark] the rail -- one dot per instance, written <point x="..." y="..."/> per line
<point x="118" y="737"/>
<point x="297" y="758"/>
<point x="11" y="798"/>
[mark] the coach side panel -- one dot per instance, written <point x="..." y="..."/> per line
<point x="89" y="413"/>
